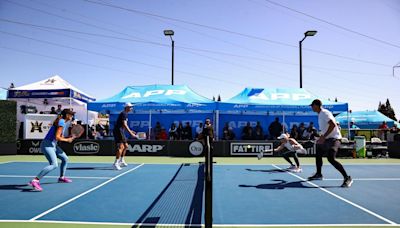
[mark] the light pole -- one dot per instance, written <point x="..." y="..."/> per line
<point x="396" y="66"/>
<point x="170" y="33"/>
<point x="308" y="33"/>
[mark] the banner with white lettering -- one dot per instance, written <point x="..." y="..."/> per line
<point x="36" y="126"/>
<point x="237" y="122"/>
<point x="148" y="148"/>
<point x="251" y="148"/>
<point x="140" y="122"/>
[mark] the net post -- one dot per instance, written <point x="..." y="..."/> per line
<point x="208" y="184"/>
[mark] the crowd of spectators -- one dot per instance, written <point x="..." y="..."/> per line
<point x="275" y="129"/>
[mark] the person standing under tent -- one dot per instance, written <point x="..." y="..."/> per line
<point x="275" y="129"/>
<point x="52" y="151"/>
<point x="208" y="130"/>
<point x="328" y="142"/>
<point x="119" y="136"/>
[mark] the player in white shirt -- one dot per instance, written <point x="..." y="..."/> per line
<point x="328" y="143"/>
<point x="293" y="148"/>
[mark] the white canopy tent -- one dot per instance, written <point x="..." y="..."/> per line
<point x="41" y="96"/>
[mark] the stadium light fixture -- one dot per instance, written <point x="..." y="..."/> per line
<point x="170" y="33"/>
<point x="308" y="33"/>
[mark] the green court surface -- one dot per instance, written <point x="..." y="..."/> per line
<point x="176" y="160"/>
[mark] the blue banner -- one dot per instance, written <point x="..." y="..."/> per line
<point x="49" y="94"/>
<point x="38" y="93"/>
<point x="238" y="122"/>
<point x="140" y="122"/>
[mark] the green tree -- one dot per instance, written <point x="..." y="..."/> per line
<point x="387" y="110"/>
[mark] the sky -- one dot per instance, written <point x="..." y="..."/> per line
<point x="221" y="46"/>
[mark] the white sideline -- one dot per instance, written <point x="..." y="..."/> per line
<point x="199" y="225"/>
<point x="367" y="179"/>
<point x="341" y="198"/>
<point x="84" y="193"/>
<point x="72" y="177"/>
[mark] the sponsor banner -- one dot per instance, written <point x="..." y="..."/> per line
<point x="8" y="148"/>
<point x="310" y="147"/>
<point x="141" y="123"/>
<point x="89" y="147"/>
<point x="81" y="97"/>
<point x="237" y="122"/>
<point x="86" y="147"/>
<point x="39" y="93"/>
<point x="29" y="147"/>
<point x="196" y="148"/>
<point x="147" y="148"/>
<point x="36" y="126"/>
<point x="251" y="148"/>
<point x="78" y="147"/>
<point x="163" y="148"/>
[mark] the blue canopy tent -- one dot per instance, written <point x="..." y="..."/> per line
<point x="154" y="97"/>
<point x="264" y="102"/>
<point x="276" y="99"/>
<point x="365" y="119"/>
<point x="161" y="100"/>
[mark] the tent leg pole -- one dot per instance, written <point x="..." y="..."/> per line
<point x="283" y="122"/>
<point x="149" y="125"/>
<point x="348" y="125"/>
<point x="87" y="123"/>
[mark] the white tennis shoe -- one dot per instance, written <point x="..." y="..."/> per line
<point x="116" y="166"/>
<point x="260" y="155"/>
<point x="123" y="164"/>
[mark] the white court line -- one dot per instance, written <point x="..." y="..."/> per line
<point x="6" y="162"/>
<point x="367" y="179"/>
<point x="72" y="177"/>
<point x="341" y="198"/>
<point x="84" y="193"/>
<point x="198" y="225"/>
<point x="265" y="164"/>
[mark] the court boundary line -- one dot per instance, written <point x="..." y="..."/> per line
<point x="217" y="164"/>
<point x="5" y="162"/>
<point x="197" y="225"/>
<point x="340" y="198"/>
<point x="84" y="193"/>
<point x="72" y="177"/>
<point x="352" y="164"/>
<point x="367" y="179"/>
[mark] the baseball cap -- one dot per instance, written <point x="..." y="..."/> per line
<point x="283" y="136"/>
<point x="316" y="102"/>
<point x="128" y="104"/>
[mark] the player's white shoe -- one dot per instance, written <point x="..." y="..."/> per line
<point x="297" y="170"/>
<point x="123" y="164"/>
<point x="116" y="166"/>
<point x="260" y="155"/>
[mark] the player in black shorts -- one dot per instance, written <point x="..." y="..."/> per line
<point x="119" y="136"/>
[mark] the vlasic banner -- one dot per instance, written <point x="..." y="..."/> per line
<point x="36" y="126"/>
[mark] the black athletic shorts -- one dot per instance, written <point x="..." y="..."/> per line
<point x="119" y="136"/>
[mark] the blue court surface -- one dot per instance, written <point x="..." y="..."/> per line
<point x="173" y="194"/>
